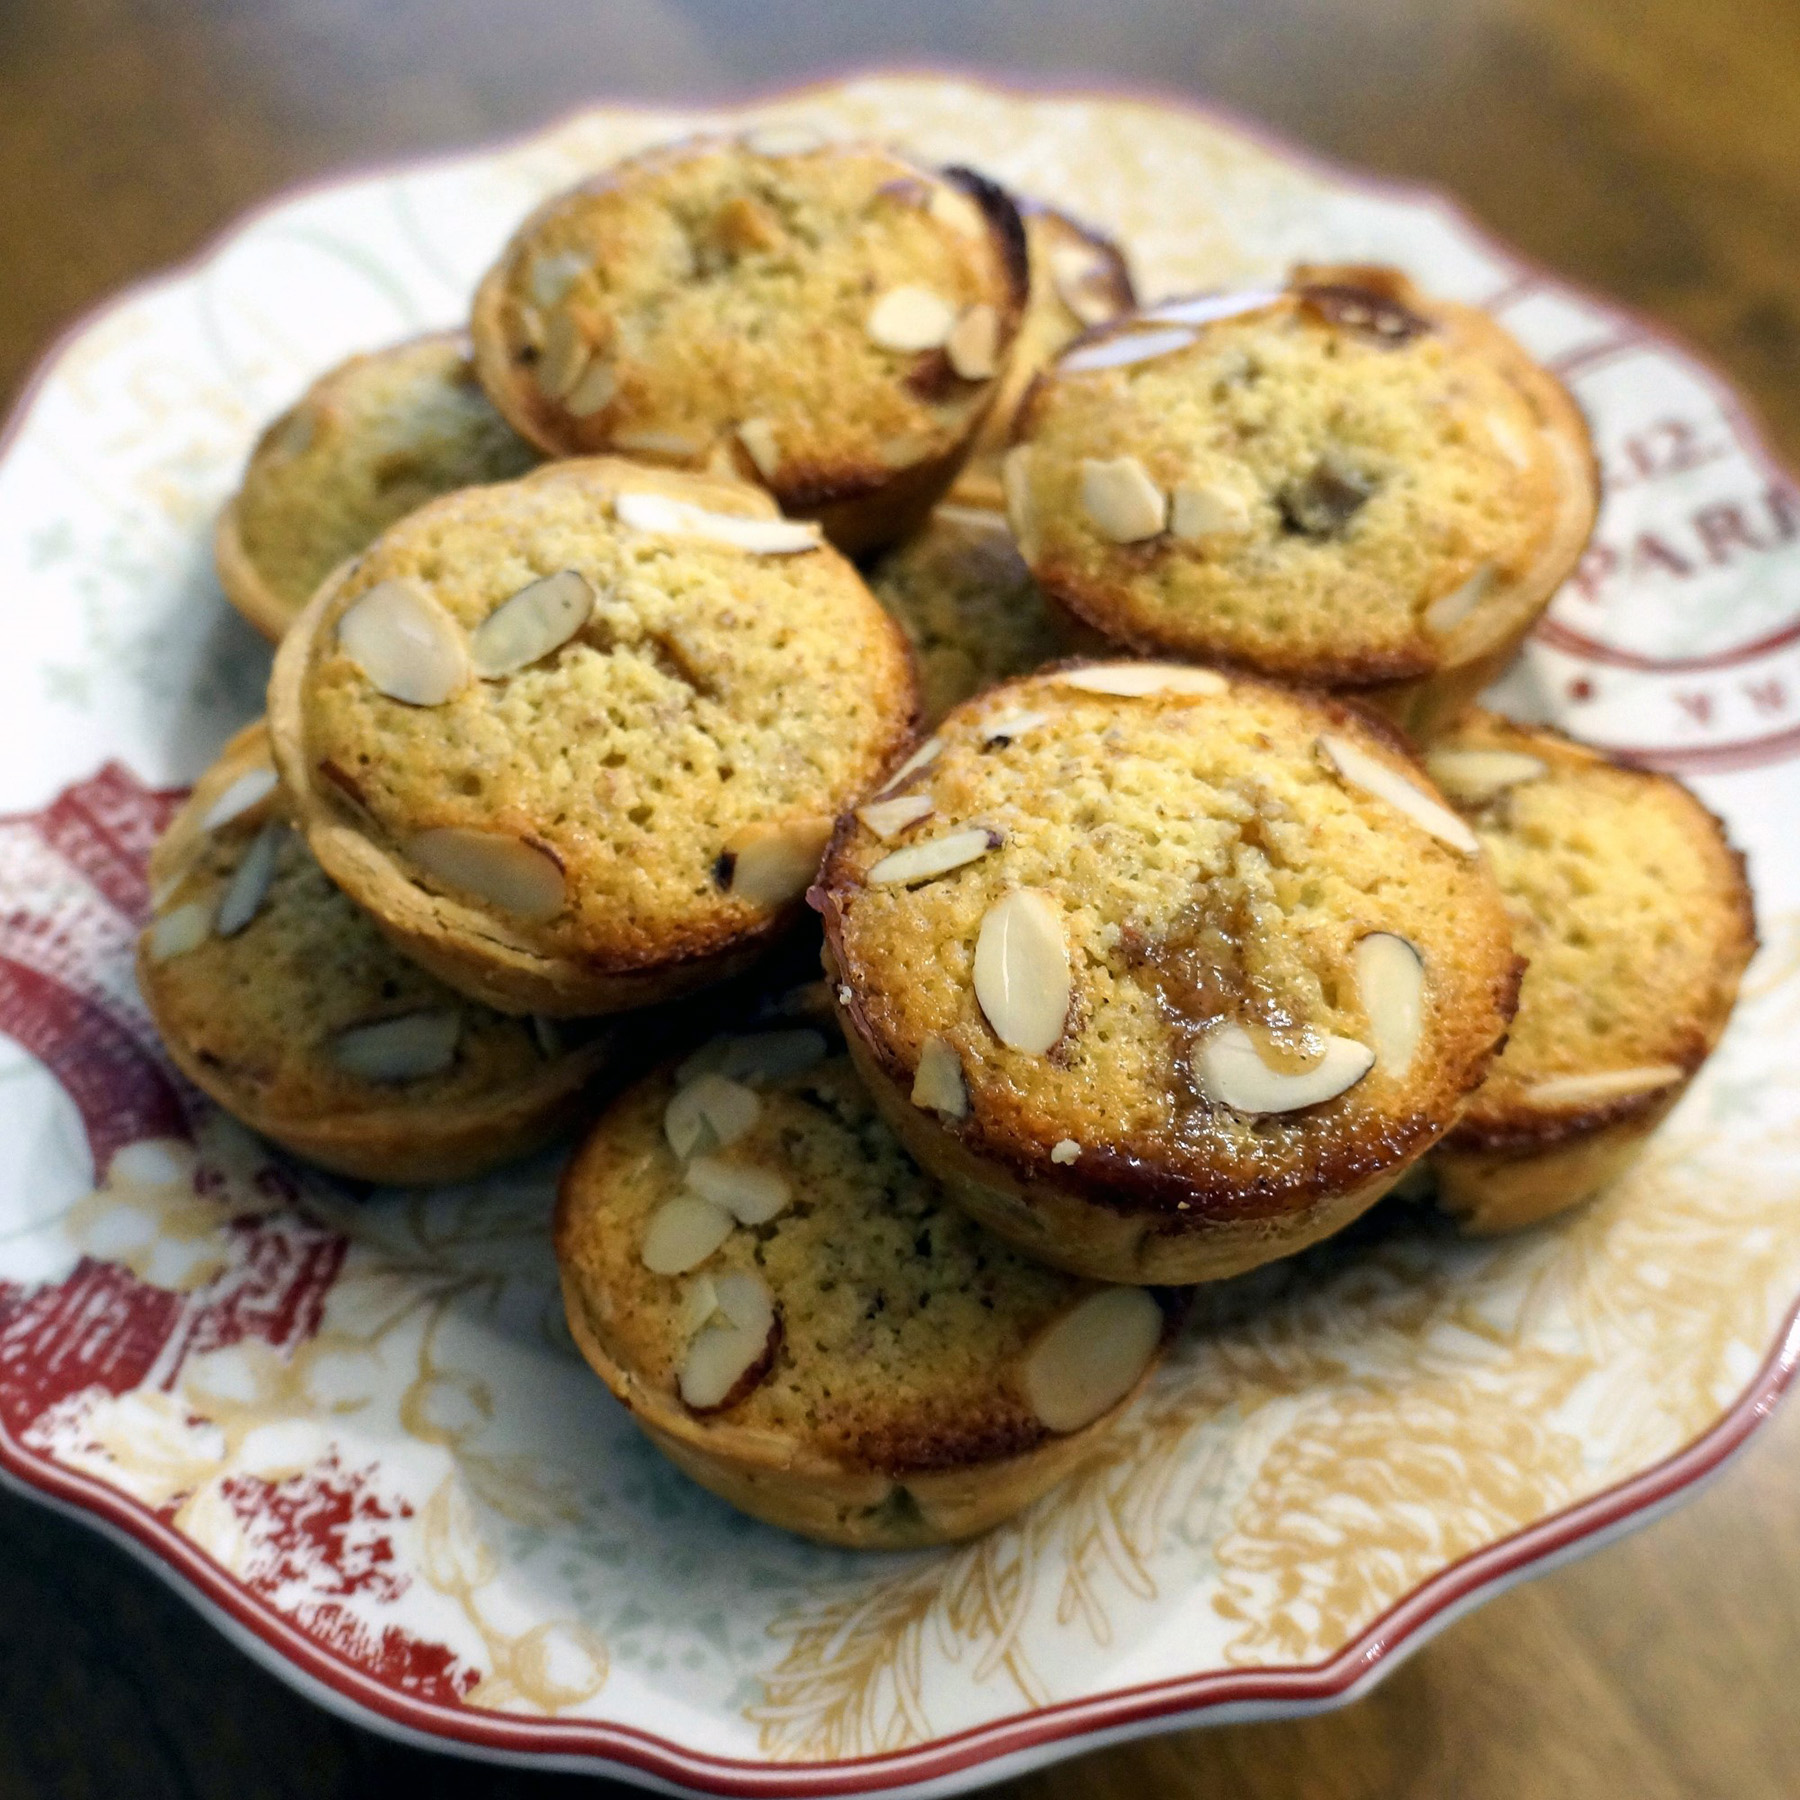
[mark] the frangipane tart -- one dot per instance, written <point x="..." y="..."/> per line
<point x="282" y="1002"/>
<point x="365" y="444"/>
<point x="1635" y="919"/>
<point x="576" y="741"/>
<point x="968" y="603"/>
<point x="1079" y="279"/>
<point x="799" y="1319"/>
<point x="1168" y="973"/>
<point x="1342" y="483"/>
<point x="831" y="320"/>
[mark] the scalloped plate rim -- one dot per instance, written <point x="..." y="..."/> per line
<point x="1032" y="1737"/>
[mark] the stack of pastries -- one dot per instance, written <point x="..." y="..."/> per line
<point x="805" y="537"/>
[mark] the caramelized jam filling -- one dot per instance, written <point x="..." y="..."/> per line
<point x="1229" y="954"/>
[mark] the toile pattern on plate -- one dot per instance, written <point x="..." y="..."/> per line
<point x="354" y="1420"/>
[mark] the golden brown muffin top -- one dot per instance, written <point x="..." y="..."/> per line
<point x="1337" y="483"/>
<point x="821" y="318"/>
<point x="1632" y="911"/>
<point x="699" y="707"/>
<point x="1143" y="893"/>
<point x="370" y="440"/>
<point x="901" y="1323"/>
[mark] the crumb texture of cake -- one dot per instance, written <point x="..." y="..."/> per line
<point x="367" y="442"/>
<point x="1635" y="918"/>
<point x="1342" y="483"/>
<point x="1079" y="280"/>
<point x="968" y="604"/>
<point x="899" y="1376"/>
<point x="577" y="741"/>
<point x="1171" y="973"/>
<point x="283" y="1003"/>
<point x="831" y="322"/>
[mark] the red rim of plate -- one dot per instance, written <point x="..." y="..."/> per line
<point x="1179" y="1699"/>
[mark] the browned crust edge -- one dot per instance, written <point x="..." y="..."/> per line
<point x="243" y="582"/>
<point x="1422" y="688"/>
<point x="1489" y="1192"/>
<point x="785" y="1482"/>
<point x="465" y="946"/>
<point x="1501" y="1172"/>
<point x="861" y="507"/>
<point x="1162" y="1221"/>
<point x="400" y="1145"/>
<point x="1114" y="1229"/>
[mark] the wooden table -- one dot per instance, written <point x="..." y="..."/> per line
<point x="1648" y="148"/>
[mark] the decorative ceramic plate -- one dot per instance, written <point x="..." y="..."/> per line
<point x="350" y="1425"/>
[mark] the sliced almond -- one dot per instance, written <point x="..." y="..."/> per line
<point x="683" y="1232"/>
<point x="973" y="346"/>
<point x="951" y="206"/>
<point x="565" y="357"/>
<point x="594" y="391"/>
<point x="1092" y="1357"/>
<point x="1008" y="726"/>
<point x="678" y="446"/>
<point x="1122" y="351"/>
<point x="165" y="890"/>
<point x="926" y="754"/>
<point x="979" y="521"/>
<point x="1203" y="309"/>
<point x="751" y="1195"/>
<point x="888" y="818"/>
<point x="1064" y="1151"/>
<point x="1474" y="777"/>
<point x="527" y="326"/>
<point x="249" y="791"/>
<point x="699" y="1302"/>
<point x="1118" y="495"/>
<point x="1015" y="484"/>
<point x="505" y="871"/>
<point x="910" y="319"/>
<point x="537" y="619"/>
<point x="178" y="932"/>
<point x="1361" y="770"/>
<point x="764" y="448"/>
<point x="678" y="518"/>
<point x="1202" y="510"/>
<point x="1512" y="444"/>
<point x="904" y="449"/>
<point x="936" y="856"/>
<point x="710" y="1113"/>
<point x="1083" y="280"/>
<point x="757" y="1057"/>
<point x="1022" y="978"/>
<point x="1449" y="610"/>
<point x="404" y="1049"/>
<point x="1610" y="1084"/>
<point x="734" y="1348"/>
<point x="1133" y="681"/>
<point x="783" y="140"/>
<point x="938" y="1084"/>
<point x="1390" y="982"/>
<point x="769" y="864"/>
<point x="554" y="273"/>
<point x="249" y="884"/>
<point x="1231" y="1072"/>
<point x="406" y="644"/>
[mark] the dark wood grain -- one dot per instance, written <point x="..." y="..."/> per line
<point x="1648" y="148"/>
